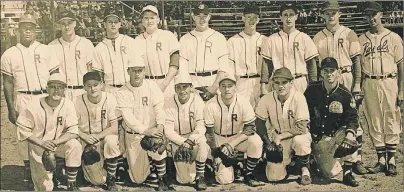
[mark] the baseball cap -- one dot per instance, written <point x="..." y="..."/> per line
<point x="329" y="62"/>
<point x="111" y="12"/>
<point x="283" y="72"/>
<point x="228" y="76"/>
<point x="150" y="8"/>
<point x="201" y="8"/>
<point x="331" y="5"/>
<point x="28" y="18"/>
<point x="373" y="6"/>
<point x="182" y="78"/>
<point x="91" y="76"/>
<point x="251" y="9"/>
<point x="57" y="78"/>
<point x="137" y="62"/>
<point x="66" y="15"/>
<point x="288" y="5"/>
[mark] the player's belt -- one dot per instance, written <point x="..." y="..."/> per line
<point x="204" y="74"/>
<point x="75" y="87"/>
<point x="298" y="75"/>
<point x="118" y="86"/>
<point x="155" y="77"/>
<point x="131" y="132"/>
<point x="34" y="92"/>
<point x="250" y="76"/>
<point x="224" y="135"/>
<point x="390" y="75"/>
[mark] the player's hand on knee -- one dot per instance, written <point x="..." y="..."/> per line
<point x="153" y="132"/>
<point x="89" y="139"/>
<point x="12" y="116"/>
<point x="49" y="145"/>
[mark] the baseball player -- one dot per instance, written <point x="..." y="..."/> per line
<point x="333" y="119"/>
<point x="113" y="54"/>
<point x="185" y="127"/>
<point x="161" y="51"/>
<point x="289" y="48"/>
<point x="382" y="67"/>
<point x="98" y="125"/>
<point x="342" y="43"/>
<point x="244" y="55"/>
<point x="140" y="102"/>
<point x="74" y="53"/>
<point x="288" y="116"/>
<point x="204" y="53"/>
<point x="26" y="68"/>
<point x="50" y="123"/>
<point x="230" y="119"/>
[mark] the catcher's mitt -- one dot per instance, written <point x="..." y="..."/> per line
<point x="343" y="151"/>
<point x="204" y="93"/>
<point x="274" y="153"/>
<point x="227" y="160"/>
<point x="184" y="154"/>
<point x="358" y="97"/>
<point x="154" y="144"/>
<point x="49" y="160"/>
<point x="90" y="155"/>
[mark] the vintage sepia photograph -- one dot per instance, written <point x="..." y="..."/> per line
<point x="201" y="95"/>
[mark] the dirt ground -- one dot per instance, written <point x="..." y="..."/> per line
<point x="12" y="171"/>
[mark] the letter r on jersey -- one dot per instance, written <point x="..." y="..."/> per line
<point x="234" y="117"/>
<point x="296" y="45"/>
<point x="78" y="54"/>
<point x="144" y="101"/>
<point x="59" y="121"/>
<point x="290" y="114"/>
<point x="158" y="46"/>
<point x="103" y="112"/>
<point x="37" y="58"/>
<point x="123" y="49"/>
<point x="341" y="42"/>
<point x="208" y="45"/>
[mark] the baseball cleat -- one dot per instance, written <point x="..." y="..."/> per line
<point x="359" y="169"/>
<point x="72" y="187"/>
<point x="391" y="170"/>
<point x="349" y="180"/>
<point x="378" y="168"/>
<point x="200" y="184"/>
<point x="251" y="181"/>
<point x="111" y="186"/>
<point x="305" y="180"/>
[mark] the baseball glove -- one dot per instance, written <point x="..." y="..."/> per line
<point x="204" y="93"/>
<point x="342" y="151"/>
<point x="227" y="160"/>
<point x="274" y="153"/>
<point x="184" y="154"/>
<point x="358" y="97"/>
<point x="154" y="144"/>
<point x="49" y="160"/>
<point x="90" y="155"/>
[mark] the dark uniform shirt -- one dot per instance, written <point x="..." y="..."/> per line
<point x="330" y="111"/>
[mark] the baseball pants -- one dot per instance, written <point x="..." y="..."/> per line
<point x="138" y="159"/>
<point x="300" y="144"/>
<point x="108" y="148"/>
<point x="323" y="152"/>
<point x="170" y="90"/>
<point x="249" y="88"/>
<point x="382" y="115"/>
<point x="70" y="151"/>
<point x="252" y="146"/>
<point x="200" y="81"/>
<point x="185" y="172"/>
<point x="72" y="94"/>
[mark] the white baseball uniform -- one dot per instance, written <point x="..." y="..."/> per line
<point x="228" y="124"/>
<point x="74" y="58"/>
<point x="283" y="117"/>
<point x="141" y="108"/>
<point x="185" y="121"/>
<point x="158" y="47"/>
<point x="113" y="60"/>
<point x="381" y="53"/>
<point x="291" y="51"/>
<point x="342" y="45"/>
<point x="46" y="123"/>
<point x="246" y="60"/>
<point x="94" y="118"/>
<point x="203" y="55"/>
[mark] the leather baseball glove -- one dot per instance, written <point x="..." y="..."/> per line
<point x="49" y="160"/>
<point x="227" y="160"/>
<point x="204" y="93"/>
<point x="274" y="153"/>
<point x="154" y="144"/>
<point x="358" y="97"/>
<point x="185" y="154"/>
<point x="90" y="155"/>
<point x="343" y="151"/>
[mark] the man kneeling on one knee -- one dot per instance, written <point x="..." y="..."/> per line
<point x="287" y="114"/>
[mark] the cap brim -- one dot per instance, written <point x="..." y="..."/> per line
<point x="331" y="8"/>
<point x="27" y="21"/>
<point x="283" y="76"/>
<point x="197" y="12"/>
<point x="150" y="11"/>
<point x="64" y="18"/>
<point x="57" y="81"/>
<point x="227" y="79"/>
<point x="111" y="15"/>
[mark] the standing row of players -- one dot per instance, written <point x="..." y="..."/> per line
<point x="208" y="58"/>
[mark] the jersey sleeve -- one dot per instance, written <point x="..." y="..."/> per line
<point x="53" y="63"/>
<point x="158" y="102"/>
<point x="174" y="45"/>
<point x="354" y="46"/>
<point x="184" y="57"/>
<point x="25" y="124"/>
<point x="200" y="124"/>
<point x="97" y="63"/>
<point x="90" y="51"/>
<point x="398" y="49"/>
<point x="266" y="48"/>
<point x="208" y="114"/>
<point x="6" y="66"/>
<point x="71" y="122"/>
<point x="124" y="109"/>
<point x="261" y="110"/>
<point x="301" y="109"/>
<point x="169" y="129"/>
<point x="223" y="54"/>
<point x="112" y="115"/>
<point x="310" y="50"/>
<point x="232" y="59"/>
<point x="248" y="112"/>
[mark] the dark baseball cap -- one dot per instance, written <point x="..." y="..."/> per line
<point x="66" y="15"/>
<point x="251" y="9"/>
<point x="28" y="18"/>
<point x="288" y="5"/>
<point x="373" y="6"/>
<point x="111" y="12"/>
<point x="91" y="76"/>
<point x="329" y="62"/>
<point x="331" y="5"/>
<point x="201" y="8"/>
<point x="283" y="72"/>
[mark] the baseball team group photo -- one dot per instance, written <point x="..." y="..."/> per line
<point x="202" y="95"/>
